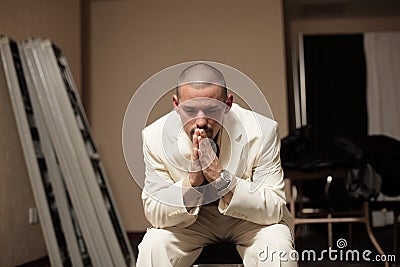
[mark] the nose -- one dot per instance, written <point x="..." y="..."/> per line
<point x="201" y="120"/>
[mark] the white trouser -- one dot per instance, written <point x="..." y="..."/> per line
<point x="258" y="245"/>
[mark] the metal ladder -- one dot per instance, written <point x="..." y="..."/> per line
<point x="80" y="222"/>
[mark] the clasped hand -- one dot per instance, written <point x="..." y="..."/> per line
<point x="205" y="165"/>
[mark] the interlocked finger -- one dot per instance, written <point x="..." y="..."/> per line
<point x="208" y="150"/>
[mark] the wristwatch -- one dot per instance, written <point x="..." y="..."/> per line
<point x="223" y="181"/>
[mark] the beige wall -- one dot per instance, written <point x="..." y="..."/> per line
<point x="20" y="19"/>
<point x="132" y="40"/>
<point x="58" y="20"/>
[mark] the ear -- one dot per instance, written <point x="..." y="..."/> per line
<point x="229" y="102"/>
<point x="175" y="102"/>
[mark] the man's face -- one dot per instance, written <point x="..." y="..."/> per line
<point x="202" y="108"/>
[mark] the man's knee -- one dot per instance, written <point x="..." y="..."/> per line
<point x="155" y="240"/>
<point x="276" y="239"/>
<point x="272" y="246"/>
<point x="161" y="247"/>
<point x="153" y="250"/>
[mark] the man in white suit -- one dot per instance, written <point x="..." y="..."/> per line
<point x="213" y="174"/>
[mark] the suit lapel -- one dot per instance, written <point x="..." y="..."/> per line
<point x="179" y="147"/>
<point x="232" y="143"/>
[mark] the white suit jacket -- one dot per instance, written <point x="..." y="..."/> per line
<point x="249" y="150"/>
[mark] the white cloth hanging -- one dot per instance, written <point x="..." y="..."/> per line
<point x="382" y="53"/>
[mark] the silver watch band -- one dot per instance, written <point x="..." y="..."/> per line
<point x="223" y="181"/>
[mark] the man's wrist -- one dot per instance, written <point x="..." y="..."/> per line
<point x="192" y="196"/>
<point x="200" y="188"/>
<point x="222" y="182"/>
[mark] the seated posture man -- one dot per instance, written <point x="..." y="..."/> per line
<point x="213" y="174"/>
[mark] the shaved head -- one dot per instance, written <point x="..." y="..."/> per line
<point x="201" y="75"/>
<point x="202" y="99"/>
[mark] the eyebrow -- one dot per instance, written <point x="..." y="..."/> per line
<point x="187" y="105"/>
